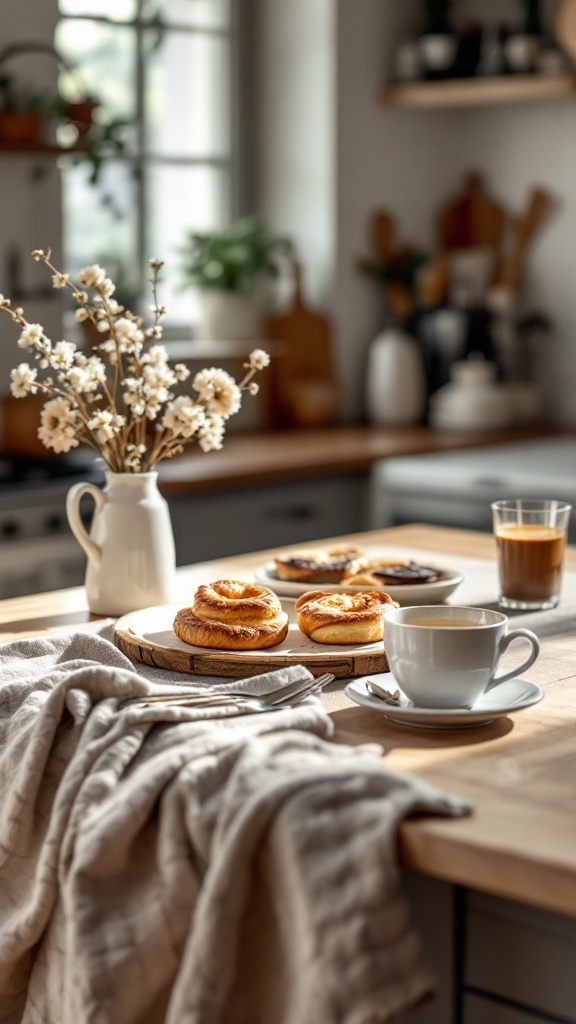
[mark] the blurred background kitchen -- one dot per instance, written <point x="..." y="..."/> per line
<point x="406" y="170"/>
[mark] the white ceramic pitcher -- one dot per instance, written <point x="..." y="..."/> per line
<point x="131" y="556"/>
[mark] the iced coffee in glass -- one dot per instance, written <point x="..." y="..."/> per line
<point x="531" y="538"/>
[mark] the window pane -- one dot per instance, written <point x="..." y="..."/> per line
<point x="105" y="58"/>
<point x="100" y="224"/>
<point x="182" y="199"/>
<point x="118" y="10"/>
<point x="187" y="96"/>
<point x="198" y="13"/>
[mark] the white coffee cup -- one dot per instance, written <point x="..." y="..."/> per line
<point x="445" y="656"/>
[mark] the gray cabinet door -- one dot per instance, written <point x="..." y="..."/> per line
<point x="234" y="521"/>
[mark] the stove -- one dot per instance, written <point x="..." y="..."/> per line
<point x="37" y="549"/>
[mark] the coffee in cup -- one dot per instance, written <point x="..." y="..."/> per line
<point x="447" y="656"/>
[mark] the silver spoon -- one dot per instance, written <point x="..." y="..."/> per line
<point x="379" y="691"/>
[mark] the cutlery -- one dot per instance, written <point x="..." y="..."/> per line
<point x="379" y="691"/>
<point x="281" y="696"/>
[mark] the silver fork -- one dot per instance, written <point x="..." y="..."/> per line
<point x="281" y="696"/>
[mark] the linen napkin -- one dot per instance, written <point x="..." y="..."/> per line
<point x="159" y="867"/>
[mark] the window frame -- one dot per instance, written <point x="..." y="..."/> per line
<point x="141" y="159"/>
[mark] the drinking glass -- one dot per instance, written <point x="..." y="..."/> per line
<point x="531" y="538"/>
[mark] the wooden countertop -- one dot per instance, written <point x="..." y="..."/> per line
<point x="290" y="454"/>
<point x="520" y="842"/>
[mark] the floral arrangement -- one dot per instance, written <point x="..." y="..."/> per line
<point x="119" y="400"/>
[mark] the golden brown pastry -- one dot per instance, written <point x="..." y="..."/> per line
<point x="390" y="574"/>
<point x="316" y="565"/>
<point x="330" y="618"/>
<point x="231" y="615"/>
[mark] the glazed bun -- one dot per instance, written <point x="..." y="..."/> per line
<point x="329" y="618"/>
<point x="316" y="565"/>
<point x="231" y="615"/>
<point x="389" y="574"/>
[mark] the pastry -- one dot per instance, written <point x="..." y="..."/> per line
<point x="316" y="565"/>
<point x="232" y="615"/>
<point x="389" y="574"/>
<point x="330" y="618"/>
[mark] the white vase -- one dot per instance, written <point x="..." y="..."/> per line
<point x="130" y="549"/>
<point x="395" y="384"/>
<point x="229" y="316"/>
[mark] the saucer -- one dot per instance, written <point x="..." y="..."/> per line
<point x="504" y="699"/>
<point x="412" y="594"/>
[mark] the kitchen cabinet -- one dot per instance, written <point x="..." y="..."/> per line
<point x="495" y="960"/>
<point x="235" y="520"/>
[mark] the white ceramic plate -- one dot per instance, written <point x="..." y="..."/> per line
<point x="503" y="700"/>
<point x="414" y="593"/>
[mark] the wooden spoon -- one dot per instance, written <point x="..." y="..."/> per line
<point x="565" y="26"/>
<point x="538" y="208"/>
<point x="382" y="234"/>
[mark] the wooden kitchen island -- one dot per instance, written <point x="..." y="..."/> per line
<point x="519" y="844"/>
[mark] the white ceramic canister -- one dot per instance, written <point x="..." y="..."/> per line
<point x="395" y="382"/>
<point x="130" y="549"/>
<point x="473" y="400"/>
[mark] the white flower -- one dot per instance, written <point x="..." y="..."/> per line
<point x="96" y="372"/>
<point x="181" y="372"/>
<point x="219" y="392"/>
<point x="127" y="334"/>
<point x="105" y="425"/>
<point x="106" y="398"/>
<point x="23" y="378"/>
<point x="30" y="336"/>
<point x="183" y="417"/>
<point x="211" y="434"/>
<point x="91" y="276"/>
<point x="58" y="426"/>
<point x="62" y="355"/>
<point x="259" y="359"/>
<point x="106" y="287"/>
<point x="78" y="379"/>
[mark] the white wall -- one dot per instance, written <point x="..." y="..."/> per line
<point x="410" y="162"/>
<point x="294" y="88"/>
<point x="30" y="211"/>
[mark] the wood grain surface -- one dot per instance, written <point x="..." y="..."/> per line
<point x="519" y="773"/>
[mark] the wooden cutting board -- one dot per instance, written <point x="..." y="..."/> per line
<point x="147" y="636"/>
<point x="304" y="388"/>
<point x="472" y="220"/>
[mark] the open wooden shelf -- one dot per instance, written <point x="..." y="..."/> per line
<point x="40" y="149"/>
<point x="479" y="92"/>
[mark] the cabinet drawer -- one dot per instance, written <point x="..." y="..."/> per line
<point x="485" y="1011"/>
<point x="234" y="521"/>
<point x="523" y="954"/>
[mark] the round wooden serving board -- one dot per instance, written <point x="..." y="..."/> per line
<point x="147" y="636"/>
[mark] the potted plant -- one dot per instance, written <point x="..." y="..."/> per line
<point x="22" y="113"/>
<point x="229" y="269"/>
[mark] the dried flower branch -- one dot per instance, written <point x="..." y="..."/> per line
<point x="119" y="400"/>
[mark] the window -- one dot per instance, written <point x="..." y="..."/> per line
<point x="163" y="69"/>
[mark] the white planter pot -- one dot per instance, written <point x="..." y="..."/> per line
<point x="229" y="316"/>
<point x="395" y="385"/>
<point x="131" y="555"/>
